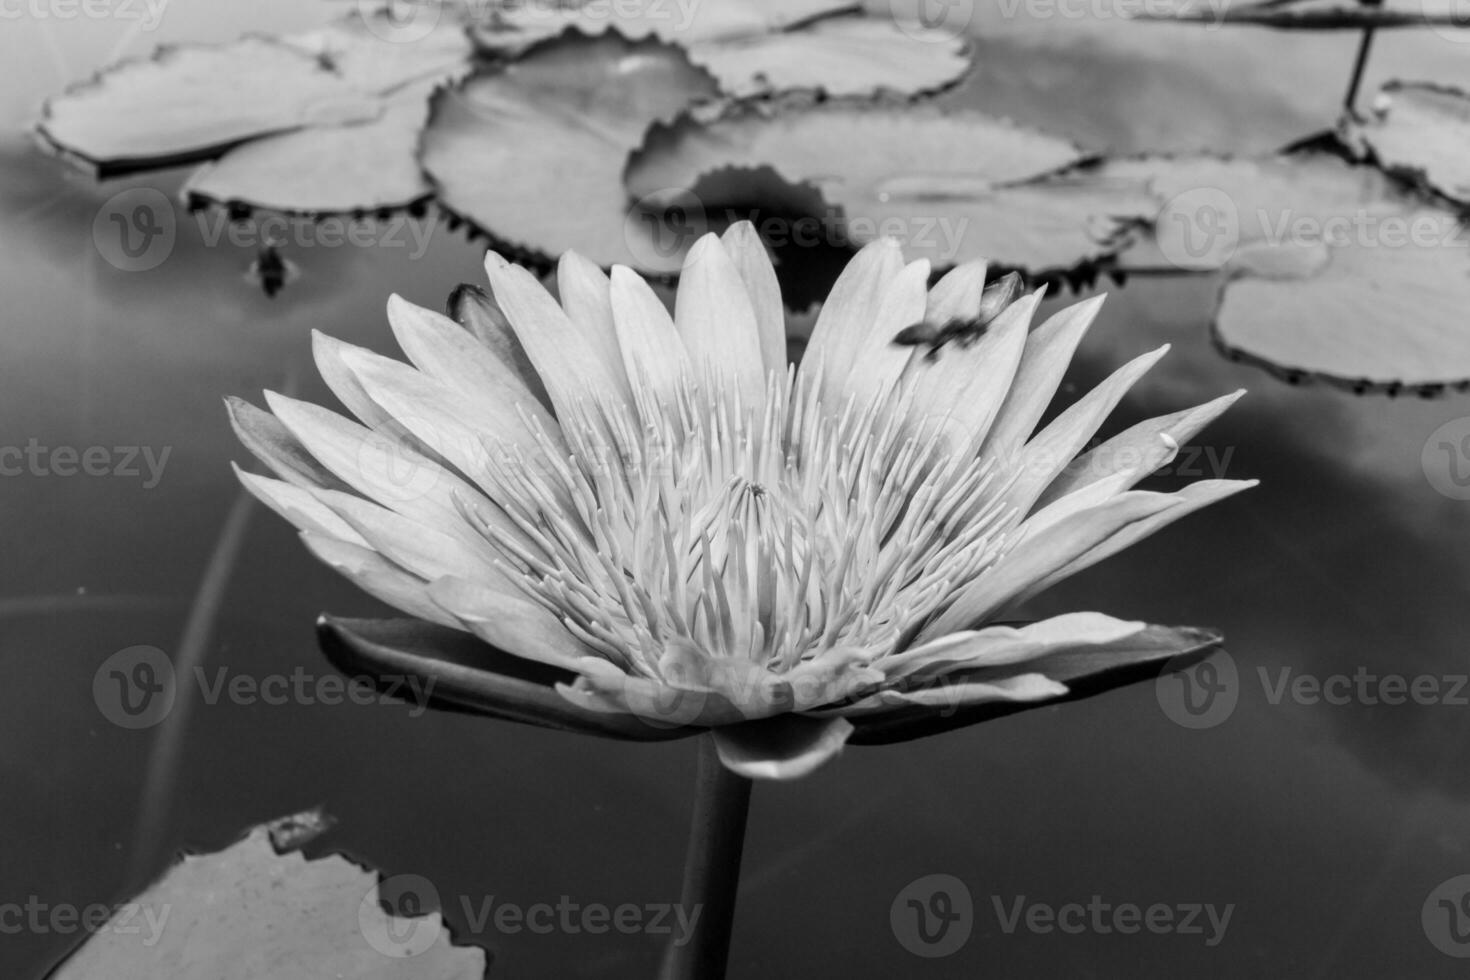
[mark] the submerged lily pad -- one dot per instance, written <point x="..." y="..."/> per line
<point x="533" y="152"/>
<point x="258" y="910"/>
<point x="1331" y="271"/>
<point x="471" y="676"/>
<point x="336" y="113"/>
<point x="1422" y="131"/>
<point x="951" y="186"/>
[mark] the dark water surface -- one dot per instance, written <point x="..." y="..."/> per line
<point x="1326" y="827"/>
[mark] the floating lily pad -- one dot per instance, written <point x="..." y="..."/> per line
<point x="1318" y="15"/>
<point x="336" y="111"/>
<point x="951" y="186"/>
<point x="513" y="28"/>
<point x="757" y="47"/>
<point x="843" y="56"/>
<point x="533" y="152"/>
<point x="1331" y="271"/>
<point x="1421" y="131"/>
<point x="255" y="910"/>
<point x="365" y="166"/>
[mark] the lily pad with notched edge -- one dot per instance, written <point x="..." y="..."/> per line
<point x="364" y="166"/>
<point x="758" y="47"/>
<point x="259" y="909"/>
<point x="333" y="108"/>
<point x="533" y="152"/>
<point x="1331" y="271"/>
<point x="1421" y="131"/>
<point x="950" y="186"/>
<point x="513" y="28"/>
<point x="468" y="675"/>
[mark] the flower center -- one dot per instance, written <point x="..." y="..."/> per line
<point x="770" y="533"/>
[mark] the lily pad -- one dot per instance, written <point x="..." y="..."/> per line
<point x="335" y="109"/>
<point x="1331" y="271"/>
<point x="532" y="152"/>
<point x="1423" y="132"/>
<point x="1319" y="15"/>
<point x="469" y="675"/>
<point x="758" y="47"/>
<point x="363" y="166"/>
<point x="259" y="909"/>
<point x="952" y="186"/>
<point x="513" y="28"/>
<point x="844" y="56"/>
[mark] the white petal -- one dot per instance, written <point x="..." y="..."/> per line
<point x="274" y="445"/>
<point x="1001" y="646"/>
<point x="1140" y="450"/>
<point x="957" y="295"/>
<point x="1185" y="502"/>
<point x="509" y="622"/>
<point x="1022" y="687"/>
<point x="476" y="310"/>
<point x="1058" y="444"/>
<point x="653" y="352"/>
<point x="879" y="361"/>
<point x="1036" y="556"/>
<point x="851" y="307"/>
<point x="1044" y="362"/>
<point x="966" y="387"/>
<point x="574" y="360"/>
<point x="299" y="506"/>
<point x="329" y="354"/>
<point x="783" y="747"/>
<point x="717" y="323"/>
<point x="459" y="430"/>
<point x="378" y="577"/>
<point x="417" y="548"/>
<point x="446" y="352"/>
<point x="375" y="465"/>
<point x="753" y="263"/>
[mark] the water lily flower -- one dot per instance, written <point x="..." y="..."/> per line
<point x="673" y="530"/>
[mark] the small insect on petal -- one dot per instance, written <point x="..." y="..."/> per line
<point x="997" y="296"/>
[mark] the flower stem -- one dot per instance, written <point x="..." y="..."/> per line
<point x="711" y="869"/>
